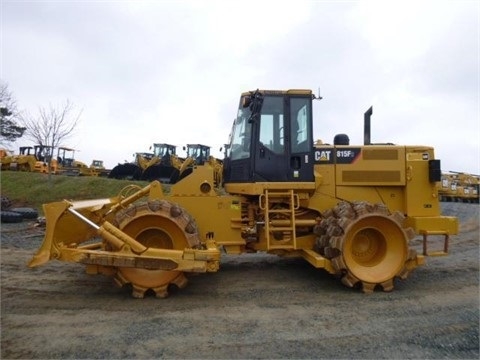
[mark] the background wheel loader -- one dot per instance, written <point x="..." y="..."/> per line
<point x="164" y="165"/>
<point x="197" y="155"/>
<point x="349" y="209"/>
<point x="163" y="154"/>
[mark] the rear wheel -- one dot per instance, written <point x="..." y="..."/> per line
<point x="161" y="225"/>
<point x="367" y="245"/>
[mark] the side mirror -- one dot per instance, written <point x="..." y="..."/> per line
<point x="246" y="101"/>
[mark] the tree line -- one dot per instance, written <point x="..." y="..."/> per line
<point x="49" y="127"/>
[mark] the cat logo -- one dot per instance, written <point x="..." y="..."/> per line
<point x="323" y="155"/>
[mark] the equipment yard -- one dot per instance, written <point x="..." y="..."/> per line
<point x="256" y="306"/>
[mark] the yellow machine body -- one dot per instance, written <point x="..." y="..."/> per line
<point x="5" y="158"/>
<point x="353" y="216"/>
<point x="29" y="158"/>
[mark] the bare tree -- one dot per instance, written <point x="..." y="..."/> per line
<point x="52" y="125"/>
<point x="10" y="130"/>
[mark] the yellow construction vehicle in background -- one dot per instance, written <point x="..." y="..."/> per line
<point x="198" y="154"/>
<point x="26" y="159"/>
<point x="5" y="158"/>
<point x="39" y="158"/>
<point x="172" y="168"/>
<point x="68" y="165"/>
<point x="162" y="153"/>
<point x="45" y="161"/>
<point x="98" y="169"/>
<point x="131" y="170"/>
<point x="349" y="209"/>
<point x="163" y="166"/>
<point x="30" y="158"/>
<point x="459" y="187"/>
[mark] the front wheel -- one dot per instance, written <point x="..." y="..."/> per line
<point x="367" y="245"/>
<point x="162" y="225"/>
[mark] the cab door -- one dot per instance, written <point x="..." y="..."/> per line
<point x="301" y="158"/>
<point x="283" y="150"/>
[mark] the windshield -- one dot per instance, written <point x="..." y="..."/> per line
<point x="161" y="150"/>
<point x="198" y="151"/>
<point x="271" y="129"/>
<point x="240" y="137"/>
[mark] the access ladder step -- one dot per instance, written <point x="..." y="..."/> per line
<point x="443" y="252"/>
<point x="281" y="228"/>
<point x="290" y="203"/>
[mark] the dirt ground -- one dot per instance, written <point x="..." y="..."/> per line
<point x="256" y="306"/>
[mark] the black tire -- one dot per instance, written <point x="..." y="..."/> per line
<point x="5" y="203"/>
<point x="159" y="172"/>
<point x="25" y="212"/>
<point x="11" y="217"/>
<point x="124" y="171"/>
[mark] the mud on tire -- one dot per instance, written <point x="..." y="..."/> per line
<point x="157" y="224"/>
<point x="366" y="244"/>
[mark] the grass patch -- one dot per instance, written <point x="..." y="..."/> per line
<point x="35" y="189"/>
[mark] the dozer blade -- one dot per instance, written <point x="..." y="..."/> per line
<point x="64" y="229"/>
<point x="83" y="232"/>
<point x="69" y="224"/>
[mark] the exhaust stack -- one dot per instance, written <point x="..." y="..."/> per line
<point x="366" y="126"/>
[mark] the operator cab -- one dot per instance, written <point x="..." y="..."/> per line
<point x="272" y="138"/>
<point x="164" y="152"/>
<point x="198" y="152"/>
<point x="66" y="156"/>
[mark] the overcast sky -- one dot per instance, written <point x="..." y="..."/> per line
<point x="172" y="71"/>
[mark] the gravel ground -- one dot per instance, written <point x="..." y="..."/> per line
<point x="256" y="306"/>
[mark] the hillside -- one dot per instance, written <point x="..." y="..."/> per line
<point x="35" y="189"/>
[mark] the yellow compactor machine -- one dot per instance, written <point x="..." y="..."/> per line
<point x="349" y="209"/>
